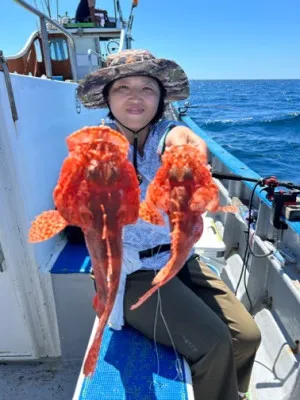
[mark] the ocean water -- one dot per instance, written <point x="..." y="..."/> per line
<point x="258" y="121"/>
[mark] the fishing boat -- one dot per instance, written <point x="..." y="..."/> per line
<point x="47" y="321"/>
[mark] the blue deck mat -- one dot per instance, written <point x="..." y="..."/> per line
<point x="74" y="258"/>
<point x="127" y="369"/>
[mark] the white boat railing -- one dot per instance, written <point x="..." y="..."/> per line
<point x="45" y="43"/>
<point x="99" y="57"/>
<point x="26" y="47"/>
<point x="123" y="42"/>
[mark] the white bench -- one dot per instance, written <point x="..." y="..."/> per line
<point x="128" y="368"/>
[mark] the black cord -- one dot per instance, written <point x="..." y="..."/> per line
<point x="135" y="146"/>
<point x="247" y="253"/>
<point x="245" y="262"/>
<point x="259" y="255"/>
<point x="249" y="226"/>
<point x="248" y="249"/>
<point x="245" y="284"/>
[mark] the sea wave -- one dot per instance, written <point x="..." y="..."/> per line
<point x="263" y="132"/>
<point x="276" y="120"/>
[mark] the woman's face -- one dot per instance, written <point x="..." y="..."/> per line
<point x="134" y="100"/>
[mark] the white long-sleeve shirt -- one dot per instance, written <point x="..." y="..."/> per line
<point x="142" y="235"/>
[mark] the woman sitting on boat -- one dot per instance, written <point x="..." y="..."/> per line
<point x="201" y="316"/>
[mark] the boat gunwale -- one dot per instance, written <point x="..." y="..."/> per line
<point x="234" y="165"/>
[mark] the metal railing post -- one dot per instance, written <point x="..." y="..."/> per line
<point x="71" y="41"/>
<point x="11" y="97"/>
<point x="46" y="48"/>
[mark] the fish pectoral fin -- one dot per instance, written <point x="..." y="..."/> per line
<point x="149" y="213"/>
<point x="229" y="208"/>
<point x="45" y="226"/>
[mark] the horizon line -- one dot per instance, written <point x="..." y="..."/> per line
<point x="244" y="79"/>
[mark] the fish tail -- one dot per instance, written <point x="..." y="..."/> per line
<point x="92" y="357"/>
<point x="111" y="281"/>
<point x="98" y="305"/>
<point x="95" y="302"/>
<point x="46" y="225"/>
<point x="176" y="233"/>
<point x="93" y="354"/>
<point x="181" y="247"/>
<point x="146" y="296"/>
<point x="164" y="275"/>
<point x="167" y="272"/>
<point x="180" y="250"/>
<point x="172" y="268"/>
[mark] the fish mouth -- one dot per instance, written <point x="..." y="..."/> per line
<point x="180" y="174"/>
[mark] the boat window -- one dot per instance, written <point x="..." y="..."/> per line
<point x="58" y="50"/>
<point x="109" y="46"/>
<point x="38" y="52"/>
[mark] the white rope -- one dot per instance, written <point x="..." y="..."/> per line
<point x="178" y="366"/>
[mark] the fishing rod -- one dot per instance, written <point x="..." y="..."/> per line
<point x="279" y="199"/>
<point x="131" y="16"/>
<point x="182" y="110"/>
<point x="269" y="181"/>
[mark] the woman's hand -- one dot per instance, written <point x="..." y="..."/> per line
<point x="180" y="135"/>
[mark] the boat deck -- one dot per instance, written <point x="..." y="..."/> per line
<point x="276" y="369"/>
<point x="48" y="380"/>
<point x="57" y="379"/>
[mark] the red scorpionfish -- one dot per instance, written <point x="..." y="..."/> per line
<point x="98" y="191"/>
<point x="184" y="189"/>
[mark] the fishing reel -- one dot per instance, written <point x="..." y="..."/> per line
<point x="183" y="110"/>
<point x="284" y="203"/>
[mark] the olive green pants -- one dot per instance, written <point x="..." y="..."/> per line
<point x="208" y="325"/>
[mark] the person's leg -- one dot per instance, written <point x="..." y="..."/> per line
<point x="198" y="334"/>
<point x="243" y="329"/>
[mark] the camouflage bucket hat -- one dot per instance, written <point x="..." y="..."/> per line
<point x="133" y="63"/>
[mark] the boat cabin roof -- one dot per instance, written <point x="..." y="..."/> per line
<point x="75" y="50"/>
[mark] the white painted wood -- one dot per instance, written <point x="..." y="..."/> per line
<point x="31" y="154"/>
<point x="15" y="340"/>
<point x="29" y="331"/>
<point x="188" y="380"/>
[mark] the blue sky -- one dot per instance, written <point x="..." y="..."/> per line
<point x="210" y="39"/>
